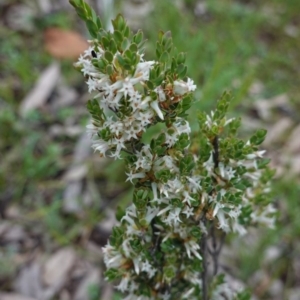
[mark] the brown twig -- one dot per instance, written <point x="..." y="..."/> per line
<point x="203" y="244"/>
<point x="215" y="252"/>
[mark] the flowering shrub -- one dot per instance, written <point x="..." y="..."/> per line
<point x="184" y="190"/>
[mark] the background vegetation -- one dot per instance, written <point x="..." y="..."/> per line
<point x="57" y="198"/>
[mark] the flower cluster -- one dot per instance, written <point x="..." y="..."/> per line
<point x="179" y="193"/>
<point x="122" y="92"/>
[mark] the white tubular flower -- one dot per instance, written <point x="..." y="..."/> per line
<point x="171" y="139"/>
<point x="265" y="217"/>
<point x="91" y="130"/>
<point x="165" y="162"/>
<point x="173" y="218"/>
<point x="256" y="154"/>
<point x="223" y="223"/>
<point x="124" y="284"/>
<point x="154" y="191"/>
<point x="187" y="198"/>
<point x="182" y="126"/>
<point x="165" y="296"/>
<point x="203" y="228"/>
<point x="174" y="186"/>
<point x="187" y="294"/>
<point x="229" y="121"/>
<point x="112" y="257"/>
<point x="137" y="265"/>
<point x="92" y="84"/>
<point x="192" y="247"/>
<point x="126" y="246"/>
<point x="101" y="146"/>
<point x="161" y="94"/>
<point x="230" y="173"/>
<point x="209" y="120"/>
<point x="181" y="87"/>
<point x="226" y="172"/>
<point x="150" y="214"/>
<point x="147" y="267"/>
<point x="88" y="51"/>
<point x="143" y="69"/>
<point x="191" y="86"/>
<point x="209" y="164"/>
<point x="240" y="229"/>
<point x="195" y="183"/>
<point x="127" y="88"/>
<point x="223" y="290"/>
<point x="188" y="211"/>
<point x="116" y="127"/>
<point x="132" y="176"/>
<point x="155" y="106"/>
<point x="164" y="210"/>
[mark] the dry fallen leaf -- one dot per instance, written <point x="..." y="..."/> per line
<point x="92" y="278"/>
<point x="74" y="187"/>
<point x="10" y="296"/>
<point x="278" y="130"/>
<point x="28" y="281"/>
<point x="64" y="43"/>
<point x="58" y="266"/>
<point x="293" y="143"/>
<point x="38" y="96"/>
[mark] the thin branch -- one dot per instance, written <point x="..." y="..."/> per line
<point x="215" y="144"/>
<point x="204" y="263"/>
<point x="215" y="252"/>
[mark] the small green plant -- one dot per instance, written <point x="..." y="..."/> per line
<point x="185" y="190"/>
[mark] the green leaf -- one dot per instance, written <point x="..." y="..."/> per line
<point x="258" y="137"/>
<point x="244" y="295"/>
<point x="138" y="37"/>
<point x="120" y="213"/>
<point x="105" y="134"/>
<point x="121" y="60"/>
<point x="177" y="202"/>
<point x="118" y="36"/>
<point x="182" y="142"/>
<point x="181" y="58"/>
<point x="113" y="46"/>
<point x="136" y="245"/>
<point x="133" y="47"/>
<point x="169" y="273"/>
<point x="105" y="42"/>
<point x="128" y="54"/>
<point x="99" y="23"/>
<point x="141" y="198"/>
<point x="112" y="274"/>
<point x="195" y="232"/>
<point x="150" y="85"/>
<point x="181" y="71"/>
<point x="108" y="56"/>
<point x="109" y="70"/>
<point x="163" y="175"/>
<point x="166" y="38"/>
<point x="119" y="23"/>
<point x="94" y="17"/>
<point x="262" y="163"/>
<point x="186" y="164"/>
<point x="125" y="44"/>
<point x="160" y="35"/>
<point x="102" y="64"/>
<point x="116" y="238"/>
<point x="126" y="31"/>
<point x="92" y="28"/>
<point x="164" y="58"/>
